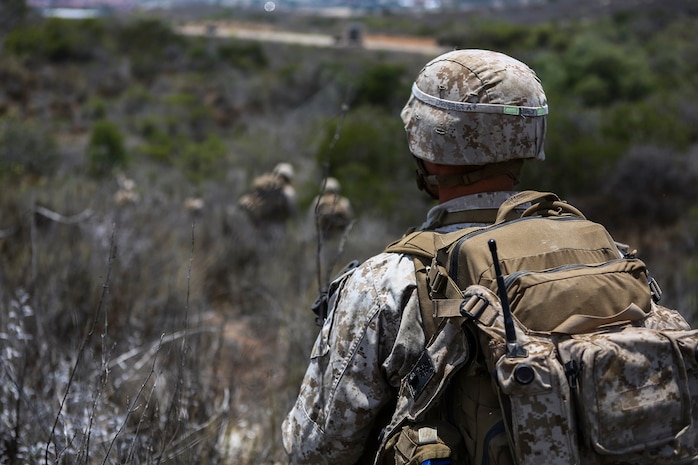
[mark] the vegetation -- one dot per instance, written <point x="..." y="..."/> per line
<point x="105" y="149"/>
<point x="140" y="329"/>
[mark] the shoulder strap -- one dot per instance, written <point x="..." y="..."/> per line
<point x="420" y="245"/>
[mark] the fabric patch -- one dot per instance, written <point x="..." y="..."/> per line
<point x="420" y="375"/>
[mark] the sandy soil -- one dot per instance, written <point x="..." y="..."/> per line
<point x="265" y="33"/>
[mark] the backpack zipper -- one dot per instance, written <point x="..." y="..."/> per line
<point x="517" y="274"/>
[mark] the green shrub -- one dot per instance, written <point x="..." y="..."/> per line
<point x="203" y="161"/>
<point x="57" y="40"/>
<point x="249" y="56"/>
<point x="147" y="37"/>
<point x="601" y="72"/>
<point x="105" y="150"/>
<point x="501" y="36"/>
<point x="159" y="146"/>
<point x="26" y="149"/>
<point x="151" y="45"/>
<point x="382" y="85"/>
<point x="96" y="107"/>
<point x="657" y="121"/>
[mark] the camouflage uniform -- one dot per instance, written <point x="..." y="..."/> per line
<point x="267" y="209"/>
<point x="272" y="200"/>
<point x="486" y="112"/>
<point x="334" y="214"/>
<point x="369" y="342"/>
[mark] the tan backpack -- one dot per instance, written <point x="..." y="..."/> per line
<point x="568" y="359"/>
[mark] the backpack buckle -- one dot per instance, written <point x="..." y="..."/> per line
<point x="437" y="277"/>
<point x="474" y="306"/>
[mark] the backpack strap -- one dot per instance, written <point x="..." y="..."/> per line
<point x="420" y="244"/>
<point x="423" y="246"/>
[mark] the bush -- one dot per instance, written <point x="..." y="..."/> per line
<point x="151" y="45"/>
<point x="57" y="40"/>
<point x="26" y="149"/>
<point x="502" y="36"/>
<point x="600" y="72"/>
<point x="105" y="150"/>
<point x="202" y="161"/>
<point x="382" y="85"/>
<point x="247" y="56"/>
<point x="147" y="37"/>
<point x="656" y="121"/>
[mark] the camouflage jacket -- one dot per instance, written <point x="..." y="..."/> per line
<point x="371" y="339"/>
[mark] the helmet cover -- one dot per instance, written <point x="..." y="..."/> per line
<point x="332" y="186"/>
<point x="476" y="107"/>
<point x="284" y="170"/>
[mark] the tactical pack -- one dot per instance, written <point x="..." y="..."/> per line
<point x="565" y="355"/>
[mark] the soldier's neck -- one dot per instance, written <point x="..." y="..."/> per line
<point x="493" y="184"/>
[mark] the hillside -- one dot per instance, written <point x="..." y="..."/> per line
<point x="141" y="328"/>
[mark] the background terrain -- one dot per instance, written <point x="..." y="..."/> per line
<point x="138" y="327"/>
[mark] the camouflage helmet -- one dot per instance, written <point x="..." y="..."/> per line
<point x="284" y="170"/>
<point x="476" y="107"/>
<point x="331" y="186"/>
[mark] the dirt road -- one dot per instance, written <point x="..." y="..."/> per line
<point x="265" y="33"/>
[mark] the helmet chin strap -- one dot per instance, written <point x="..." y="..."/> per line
<point x="424" y="183"/>
<point x="431" y="183"/>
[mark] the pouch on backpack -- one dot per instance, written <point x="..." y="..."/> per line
<point x="637" y="393"/>
<point x="577" y="290"/>
<point x="539" y="405"/>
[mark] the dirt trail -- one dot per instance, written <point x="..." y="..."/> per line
<point x="405" y="44"/>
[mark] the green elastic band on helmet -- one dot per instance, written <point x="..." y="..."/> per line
<point x="477" y="107"/>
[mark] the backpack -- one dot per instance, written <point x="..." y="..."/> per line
<point x="545" y="345"/>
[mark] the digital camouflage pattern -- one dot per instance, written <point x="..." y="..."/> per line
<point x="365" y="347"/>
<point x="369" y="342"/>
<point x="455" y="137"/>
